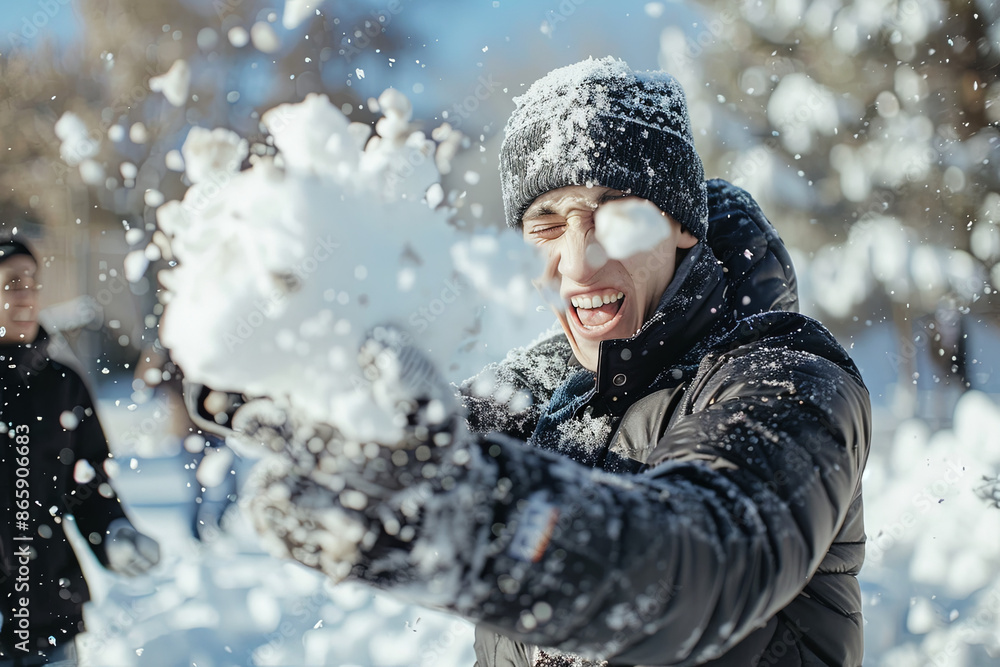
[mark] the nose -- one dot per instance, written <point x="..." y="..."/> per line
<point x="573" y="262"/>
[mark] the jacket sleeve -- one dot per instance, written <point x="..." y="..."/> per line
<point x="675" y="565"/>
<point x="93" y="502"/>
<point x="744" y="494"/>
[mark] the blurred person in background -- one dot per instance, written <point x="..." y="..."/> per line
<point x="53" y="465"/>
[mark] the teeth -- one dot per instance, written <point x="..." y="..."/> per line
<point x="587" y="302"/>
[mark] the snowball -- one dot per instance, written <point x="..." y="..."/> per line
<point x="138" y="133"/>
<point x="214" y="467"/>
<point x="194" y="443"/>
<point x="630" y="226"/>
<point x="174" y="161"/>
<point x="174" y="84"/>
<point x="135" y="265"/>
<point x="921" y="618"/>
<point x="83" y="472"/>
<point x="284" y="266"/>
<point x="92" y="173"/>
<point x="264" y="38"/>
<point x="435" y="195"/>
<point x="238" y="37"/>
<point x="153" y="198"/>
<point x="212" y="154"/>
<point x="68" y="420"/>
<point x="77" y="144"/>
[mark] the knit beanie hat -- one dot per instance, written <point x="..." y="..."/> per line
<point x="598" y="122"/>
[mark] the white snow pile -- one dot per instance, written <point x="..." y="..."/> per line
<point x="933" y="548"/>
<point x="881" y="251"/>
<point x="284" y="266"/>
<point x="629" y="226"/>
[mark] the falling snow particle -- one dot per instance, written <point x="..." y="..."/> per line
<point x="68" y="420"/>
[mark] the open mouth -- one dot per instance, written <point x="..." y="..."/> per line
<point x="598" y="313"/>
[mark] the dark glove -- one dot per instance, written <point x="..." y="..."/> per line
<point x="326" y="500"/>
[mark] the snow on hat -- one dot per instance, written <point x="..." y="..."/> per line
<point x="11" y="247"/>
<point x="600" y="122"/>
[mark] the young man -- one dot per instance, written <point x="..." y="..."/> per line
<point x="52" y="458"/>
<point x="673" y="479"/>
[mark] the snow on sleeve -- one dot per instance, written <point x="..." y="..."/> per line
<point x="284" y="266"/>
<point x="630" y="226"/>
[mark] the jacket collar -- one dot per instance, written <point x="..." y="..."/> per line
<point x="742" y="269"/>
<point x="628" y="367"/>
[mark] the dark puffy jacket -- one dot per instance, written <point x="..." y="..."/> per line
<point x="748" y="427"/>
<point x="48" y="422"/>
<point x="696" y="501"/>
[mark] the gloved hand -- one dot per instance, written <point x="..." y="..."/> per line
<point x="328" y="501"/>
<point x="130" y="552"/>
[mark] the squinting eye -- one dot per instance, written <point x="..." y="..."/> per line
<point x="546" y="233"/>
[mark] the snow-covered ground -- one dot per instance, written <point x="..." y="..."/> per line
<point x="930" y="583"/>
<point x="224" y="602"/>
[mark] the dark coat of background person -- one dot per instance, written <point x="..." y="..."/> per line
<point x="45" y="394"/>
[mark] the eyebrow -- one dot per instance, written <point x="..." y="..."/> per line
<point x="610" y="195"/>
<point x="546" y="207"/>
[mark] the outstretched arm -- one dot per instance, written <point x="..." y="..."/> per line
<point x="748" y="489"/>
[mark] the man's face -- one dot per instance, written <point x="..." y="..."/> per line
<point x="561" y="223"/>
<point x="18" y="300"/>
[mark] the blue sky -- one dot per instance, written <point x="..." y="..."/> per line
<point x="24" y="23"/>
